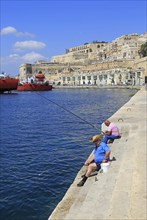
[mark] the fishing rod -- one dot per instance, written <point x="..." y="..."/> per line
<point x="67" y="110"/>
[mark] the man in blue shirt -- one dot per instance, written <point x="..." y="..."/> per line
<point x="99" y="155"/>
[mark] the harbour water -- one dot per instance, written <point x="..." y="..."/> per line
<point x="43" y="146"/>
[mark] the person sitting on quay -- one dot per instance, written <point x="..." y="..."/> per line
<point x="99" y="155"/>
<point x="112" y="133"/>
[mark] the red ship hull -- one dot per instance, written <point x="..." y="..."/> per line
<point x="8" y="84"/>
<point x="34" y="87"/>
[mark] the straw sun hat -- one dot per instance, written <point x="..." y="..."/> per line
<point x="96" y="138"/>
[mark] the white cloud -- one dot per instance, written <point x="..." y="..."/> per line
<point x="19" y="34"/>
<point x="14" y="56"/>
<point x="8" y="30"/>
<point x="11" y="30"/>
<point x="32" y="57"/>
<point x="10" y="64"/>
<point x="29" y="45"/>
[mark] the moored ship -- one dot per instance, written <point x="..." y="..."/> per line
<point x="36" y="83"/>
<point x="7" y="83"/>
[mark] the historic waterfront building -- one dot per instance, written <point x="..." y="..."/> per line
<point x="97" y="63"/>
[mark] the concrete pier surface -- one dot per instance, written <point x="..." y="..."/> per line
<point x="119" y="194"/>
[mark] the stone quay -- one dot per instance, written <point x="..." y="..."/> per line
<point x="119" y="194"/>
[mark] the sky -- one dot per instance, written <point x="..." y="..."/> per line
<point x="34" y="30"/>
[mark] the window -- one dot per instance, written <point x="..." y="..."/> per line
<point x="100" y="77"/>
<point x="138" y="74"/>
<point x="124" y="55"/>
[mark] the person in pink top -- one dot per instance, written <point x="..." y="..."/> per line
<point x="112" y="133"/>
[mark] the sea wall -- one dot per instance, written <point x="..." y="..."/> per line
<point x="96" y="87"/>
<point x="119" y="194"/>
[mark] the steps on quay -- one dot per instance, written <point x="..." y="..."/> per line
<point x="119" y="194"/>
<point x="99" y="194"/>
<point x="93" y="200"/>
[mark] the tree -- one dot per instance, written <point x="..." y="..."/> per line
<point x="143" y="50"/>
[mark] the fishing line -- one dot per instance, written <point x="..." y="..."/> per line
<point x="67" y="110"/>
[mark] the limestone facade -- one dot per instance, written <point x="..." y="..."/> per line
<point x="110" y="73"/>
<point x="85" y="53"/>
<point x="97" y="63"/>
<point x="52" y="71"/>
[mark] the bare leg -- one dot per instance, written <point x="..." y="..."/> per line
<point x="90" y="169"/>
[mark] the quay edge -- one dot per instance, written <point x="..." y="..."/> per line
<point x="96" y="87"/>
<point x="120" y="193"/>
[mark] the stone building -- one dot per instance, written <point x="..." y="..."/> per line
<point x="96" y="63"/>
<point x="108" y="73"/>
<point x="124" y="47"/>
<point x="52" y="71"/>
<point x="84" y="53"/>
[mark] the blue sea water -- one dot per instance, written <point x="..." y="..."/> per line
<point x="43" y="146"/>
